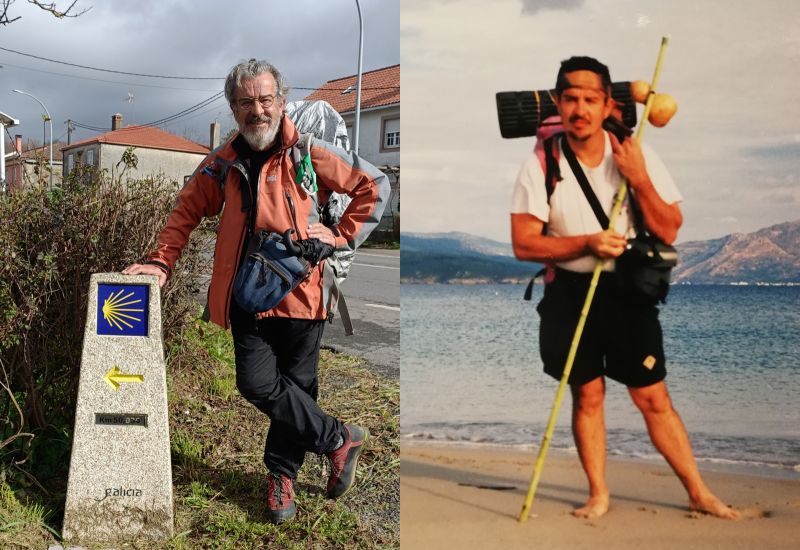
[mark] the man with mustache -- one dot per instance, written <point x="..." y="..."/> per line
<point x="622" y="338"/>
<point x="277" y="351"/>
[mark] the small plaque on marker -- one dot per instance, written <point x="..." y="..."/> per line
<point x="120" y="419"/>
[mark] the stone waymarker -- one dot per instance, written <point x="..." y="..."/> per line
<point x="120" y="479"/>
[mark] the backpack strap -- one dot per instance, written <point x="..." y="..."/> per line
<point x="552" y="172"/>
<point x="552" y="175"/>
<point x="218" y="169"/>
<point x="300" y="154"/>
<point x="305" y="176"/>
<point x="335" y="301"/>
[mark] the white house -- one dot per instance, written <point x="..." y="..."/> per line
<point x="379" y="126"/>
<point x="156" y="151"/>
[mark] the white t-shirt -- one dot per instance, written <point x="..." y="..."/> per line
<point x="569" y="213"/>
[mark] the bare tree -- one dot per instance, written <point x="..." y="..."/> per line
<point x="71" y="11"/>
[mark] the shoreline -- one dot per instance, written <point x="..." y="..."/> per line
<point x="469" y="497"/>
<point x="525" y="281"/>
<point x="714" y="465"/>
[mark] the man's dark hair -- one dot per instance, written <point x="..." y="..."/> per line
<point x="582" y="63"/>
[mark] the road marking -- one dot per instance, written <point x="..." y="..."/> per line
<point x="377" y="255"/>
<point x="380" y="266"/>
<point x="381" y="306"/>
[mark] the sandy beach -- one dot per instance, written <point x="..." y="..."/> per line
<point x="457" y="497"/>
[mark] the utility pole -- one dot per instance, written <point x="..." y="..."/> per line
<point x="70" y="127"/>
<point x="356" y="129"/>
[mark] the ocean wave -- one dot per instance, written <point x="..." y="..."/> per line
<point x="726" y="452"/>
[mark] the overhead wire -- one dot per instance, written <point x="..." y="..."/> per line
<point x="41" y="58"/>
<point x="163" y="121"/>
<point x="138" y="84"/>
<point x="109" y="70"/>
<point x="158" y="122"/>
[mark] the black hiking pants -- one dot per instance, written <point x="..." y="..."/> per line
<point x="276" y="370"/>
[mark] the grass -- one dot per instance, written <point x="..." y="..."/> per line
<point x="219" y="481"/>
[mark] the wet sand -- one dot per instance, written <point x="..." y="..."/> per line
<point x="455" y="497"/>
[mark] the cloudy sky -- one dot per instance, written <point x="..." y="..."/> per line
<point x="733" y="147"/>
<point x="311" y="42"/>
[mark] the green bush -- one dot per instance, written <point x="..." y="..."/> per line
<point x="50" y="244"/>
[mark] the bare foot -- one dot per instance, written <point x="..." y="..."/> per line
<point x="594" y="508"/>
<point x="715" y="507"/>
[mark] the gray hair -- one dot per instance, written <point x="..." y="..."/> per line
<point x="252" y="69"/>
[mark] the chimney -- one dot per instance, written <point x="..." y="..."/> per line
<point x="214" y="143"/>
<point x="116" y="122"/>
<point x="18" y="143"/>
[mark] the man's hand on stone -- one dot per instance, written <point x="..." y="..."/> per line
<point x="606" y="244"/>
<point x="146" y="269"/>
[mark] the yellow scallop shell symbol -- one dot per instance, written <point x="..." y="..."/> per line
<point x="115" y="310"/>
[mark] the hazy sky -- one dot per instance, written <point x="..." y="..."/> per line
<point x="733" y="146"/>
<point x="311" y="42"/>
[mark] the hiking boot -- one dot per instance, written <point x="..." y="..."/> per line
<point x="280" y="498"/>
<point x="344" y="459"/>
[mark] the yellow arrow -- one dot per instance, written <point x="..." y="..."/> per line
<point x="114" y="377"/>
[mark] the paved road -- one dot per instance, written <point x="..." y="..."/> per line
<point x="372" y="291"/>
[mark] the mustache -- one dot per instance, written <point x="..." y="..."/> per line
<point x="576" y="118"/>
<point x="259" y="118"/>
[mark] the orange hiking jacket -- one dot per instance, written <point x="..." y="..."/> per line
<point x="205" y="194"/>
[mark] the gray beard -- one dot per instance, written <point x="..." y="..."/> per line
<point x="260" y="140"/>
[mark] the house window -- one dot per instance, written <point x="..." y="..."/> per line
<point x="70" y="162"/>
<point x="90" y="157"/>
<point x="392" y="139"/>
<point x="390" y="130"/>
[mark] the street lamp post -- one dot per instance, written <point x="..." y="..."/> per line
<point x="358" y="84"/>
<point x="49" y="120"/>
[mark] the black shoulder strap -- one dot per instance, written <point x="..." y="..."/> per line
<point x="552" y="173"/>
<point x="638" y="217"/>
<point x="584" y="183"/>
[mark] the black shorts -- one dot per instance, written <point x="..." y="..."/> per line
<point x="621" y="339"/>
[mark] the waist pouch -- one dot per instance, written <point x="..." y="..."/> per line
<point x="268" y="273"/>
<point x="644" y="269"/>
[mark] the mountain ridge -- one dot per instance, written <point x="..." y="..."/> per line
<point x="770" y="255"/>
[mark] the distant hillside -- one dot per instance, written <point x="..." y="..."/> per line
<point x="459" y="258"/>
<point x="769" y="255"/>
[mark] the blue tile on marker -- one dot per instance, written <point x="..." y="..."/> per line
<point x="122" y="310"/>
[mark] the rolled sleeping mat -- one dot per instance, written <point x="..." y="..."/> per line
<point x="521" y="113"/>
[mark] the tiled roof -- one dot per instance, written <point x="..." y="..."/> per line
<point x="378" y="88"/>
<point x="144" y="136"/>
<point x="44" y="152"/>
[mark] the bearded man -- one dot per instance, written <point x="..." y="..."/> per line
<point x="277" y="351"/>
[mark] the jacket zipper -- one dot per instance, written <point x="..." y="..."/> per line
<point x="294" y="215"/>
<point x="245" y="230"/>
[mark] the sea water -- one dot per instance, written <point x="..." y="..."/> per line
<point x="471" y="373"/>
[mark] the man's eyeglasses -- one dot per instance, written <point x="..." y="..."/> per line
<point x="249" y="103"/>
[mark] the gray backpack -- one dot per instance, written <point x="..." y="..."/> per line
<point x="319" y="120"/>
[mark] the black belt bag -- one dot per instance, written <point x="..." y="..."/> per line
<point x="644" y="269"/>
<point x="270" y="270"/>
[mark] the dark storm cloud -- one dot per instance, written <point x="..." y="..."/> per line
<point x="311" y="42"/>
